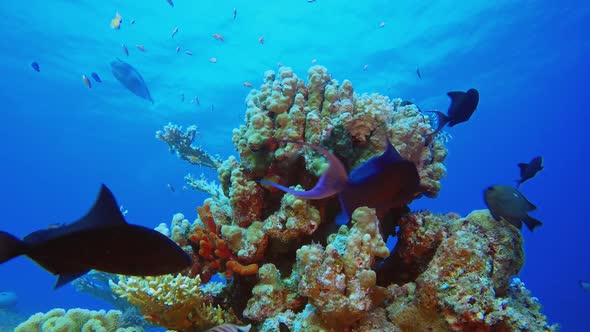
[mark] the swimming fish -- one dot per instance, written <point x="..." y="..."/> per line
<point x="332" y="182"/>
<point x="585" y="285"/>
<point x="174" y="32"/>
<point x="383" y="182"/>
<point x="131" y="79"/>
<point x="418" y="72"/>
<point x="261" y="40"/>
<point x="230" y="328"/>
<point x="86" y="81"/>
<point x="187" y="52"/>
<point x="177" y="49"/>
<point x="96" y="77"/>
<point x="247" y="84"/>
<point x="125" y="50"/>
<point x="171" y="187"/>
<point x="235" y="13"/>
<point x="140" y="47"/>
<point x="505" y="202"/>
<point x="170" y="3"/>
<point x="365" y="67"/>
<point x="116" y="21"/>
<point x="382" y="24"/>
<point x="132" y="21"/>
<point x="528" y="171"/>
<point x="182" y="97"/>
<point x="213" y="59"/>
<point x="218" y="37"/>
<point x="35" y="66"/>
<point x="101" y="240"/>
<point x="463" y="104"/>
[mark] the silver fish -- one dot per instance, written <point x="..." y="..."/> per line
<point x="131" y="79"/>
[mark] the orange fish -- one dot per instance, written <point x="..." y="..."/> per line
<point x="125" y="50"/>
<point x="174" y="31"/>
<point x="140" y="47"/>
<point x="248" y="84"/>
<point x="261" y="40"/>
<point x="218" y="37"/>
<point x="86" y="81"/>
<point x="116" y="21"/>
<point x="213" y="59"/>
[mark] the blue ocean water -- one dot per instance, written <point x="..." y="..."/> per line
<point x="60" y="140"/>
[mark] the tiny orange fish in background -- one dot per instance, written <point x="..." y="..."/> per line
<point x="86" y="81"/>
<point x="248" y="84"/>
<point x="218" y="37"/>
<point x="116" y="21"/>
<point x="140" y="47"/>
<point x="213" y="59"/>
<point x="125" y="50"/>
<point x="261" y="40"/>
<point x="382" y="24"/>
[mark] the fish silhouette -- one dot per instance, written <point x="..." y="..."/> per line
<point x="131" y="79"/>
<point x="505" y="202"/>
<point x="101" y="240"/>
<point x="528" y="171"/>
<point x="463" y="104"/>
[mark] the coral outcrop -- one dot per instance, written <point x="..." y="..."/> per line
<point x="75" y="320"/>
<point x="284" y="259"/>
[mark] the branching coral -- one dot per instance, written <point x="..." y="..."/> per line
<point x="181" y="143"/>
<point x="175" y="302"/>
<point x="75" y="320"/>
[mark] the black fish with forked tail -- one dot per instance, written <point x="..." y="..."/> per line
<point x="101" y="240"/>
<point x="509" y="204"/>
<point x="528" y="171"/>
<point x="463" y="104"/>
<point x="131" y="79"/>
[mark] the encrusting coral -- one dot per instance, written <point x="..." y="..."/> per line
<point x="75" y="320"/>
<point x="446" y="273"/>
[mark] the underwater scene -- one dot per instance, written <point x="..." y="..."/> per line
<point x="294" y="165"/>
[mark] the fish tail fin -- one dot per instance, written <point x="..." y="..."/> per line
<point x="10" y="247"/>
<point x="532" y="223"/>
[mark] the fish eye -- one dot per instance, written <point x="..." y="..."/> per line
<point x="516" y="195"/>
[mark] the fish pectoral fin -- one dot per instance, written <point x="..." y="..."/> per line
<point x="63" y="279"/>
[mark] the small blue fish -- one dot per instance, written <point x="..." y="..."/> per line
<point x="230" y="328"/>
<point x="96" y="77"/>
<point x="35" y="66"/>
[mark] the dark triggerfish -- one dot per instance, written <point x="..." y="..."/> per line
<point x="505" y="202"/>
<point x="131" y="79"/>
<point x="383" y="182"/>
<point x="101" y="240"/>
<point x="463" y="104"/>
<point x="528" y="171"/>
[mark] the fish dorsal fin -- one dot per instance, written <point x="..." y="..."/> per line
<point x="64" y="279"/>
<point x="104" y="212"/>
<point x="455" y="95"/>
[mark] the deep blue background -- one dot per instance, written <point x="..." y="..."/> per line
<point x="59" y="140"/>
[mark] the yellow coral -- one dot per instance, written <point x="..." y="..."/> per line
<point x="74" y="320"/>
<point x="175" y="302"/>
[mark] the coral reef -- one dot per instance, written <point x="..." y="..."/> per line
<point x="75" y="320"/>
<point x="285" y="261"/>
<point x="181" y="143"/>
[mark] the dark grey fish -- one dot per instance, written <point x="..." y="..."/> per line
<point x="463" y="104"/>
<point x="131" y="79"/>
<point x="35" y="66"/>
<point x="96" y="77"/>
<point x="102" y="240"/>
<point x="418" y="72"/>
<point x="283" y="327"/>
<point x="506" y="202"/>
<point x="528" y="171"/>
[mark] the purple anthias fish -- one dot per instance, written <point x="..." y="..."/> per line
<point x="332" y="182"/>
<point x="383" y="182"/>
